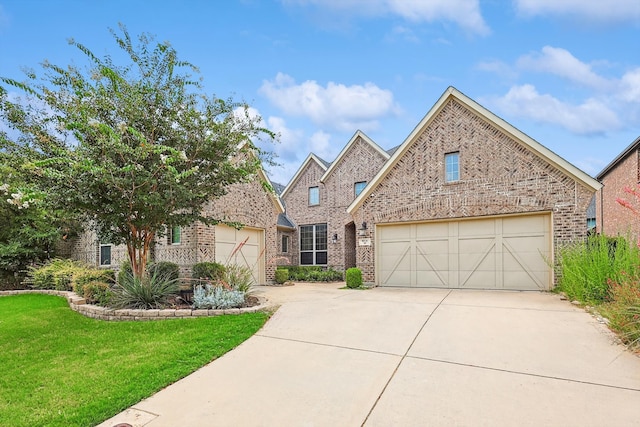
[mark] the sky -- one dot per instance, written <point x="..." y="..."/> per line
<point x="565" y="72"/>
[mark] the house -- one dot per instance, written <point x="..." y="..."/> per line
<point x="317" y="198"/>
<point x="253" y="246"/>
<point x="613" y="219"/>
<point x="469" y="201"/>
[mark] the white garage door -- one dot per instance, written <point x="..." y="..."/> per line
<point x="489" y="253"/>
<point x="242" y="247"/>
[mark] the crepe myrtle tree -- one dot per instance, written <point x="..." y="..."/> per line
<point x="133" y="149"/>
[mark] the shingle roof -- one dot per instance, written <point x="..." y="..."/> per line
<point x="284" y="221"/>
<point x="634" y="145"/>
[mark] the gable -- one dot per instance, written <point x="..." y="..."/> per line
<point x="310" y="171"/>
<point x="489" y="148"/>
<point x="357" y="155"/>
<point x="634" y="147"/>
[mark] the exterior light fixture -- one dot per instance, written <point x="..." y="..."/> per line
<point x="335" y="238"/>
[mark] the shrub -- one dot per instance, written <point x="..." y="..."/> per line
<point x="313" y="273"/>
<point x="354" y="278"/>
<point x="150" y="291"/>
<point x="238" y="278"/>
<point x="89" y="275"/>
<point x="216" y="297"/>
<point x="99" y="293"/>
<point x="584" y="268"/>
<point x="166" y="269"/>
<point x="282" y="275"/>
<point x="208" y="270"/>
<point x="56" y="274"/>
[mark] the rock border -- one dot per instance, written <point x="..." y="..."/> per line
<point x="79" y="304"/>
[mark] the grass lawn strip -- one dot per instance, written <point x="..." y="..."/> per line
<point x="60" y="368"/>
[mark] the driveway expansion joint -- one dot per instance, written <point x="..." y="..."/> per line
<point x="528" y="374"/>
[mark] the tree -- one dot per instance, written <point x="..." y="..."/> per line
<point x="29" y="232"/>
<point x="133" y="149"/>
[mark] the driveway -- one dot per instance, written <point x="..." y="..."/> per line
<point x="406" y="357"/>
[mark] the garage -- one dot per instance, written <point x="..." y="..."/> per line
<point x="507" y="252"/>
<point x="243" y="247"/>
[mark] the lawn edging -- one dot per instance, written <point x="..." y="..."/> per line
<point x="78" y="304"/>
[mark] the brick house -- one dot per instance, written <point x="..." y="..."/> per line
<point x="317" y="198"/>
<point x="613" y="219"/>
<point x="249" y="203"/>
<point x="469" y="201"/>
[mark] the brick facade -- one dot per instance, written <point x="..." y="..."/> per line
<point x="359" y="163"/>
<point x="498" y="175"/>
<point x="612" y="219"/>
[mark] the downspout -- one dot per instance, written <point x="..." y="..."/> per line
<point x="601" y="209"/>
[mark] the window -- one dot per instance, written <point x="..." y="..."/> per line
<point x="314" y="196"/>
<point x="105" y="254"/>
<point x="176" y="235"/>
<point x="313" y="244"/>
<point x="285" y="244"/>
<point x="359" y="186"/>
<point x="452" y="167"/>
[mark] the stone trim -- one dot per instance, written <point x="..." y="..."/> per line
<point x="78" y="304"/>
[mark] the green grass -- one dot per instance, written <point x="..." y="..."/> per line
<point x="58" y="368"/>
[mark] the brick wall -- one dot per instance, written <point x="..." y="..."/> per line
<point x="360" y="163"/>
<point x="615" y="219"/>
<point x="497" y="176"/>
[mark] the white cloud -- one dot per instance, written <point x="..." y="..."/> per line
<point x="598" y="11"/>
<point x="590" y="117"/>
<point x="630" y="86"/>
<point x="335" y="106"/>
<point x="465" y="13"/>
<point x="562" y="63"/>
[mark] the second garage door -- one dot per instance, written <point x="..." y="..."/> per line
<point x="488" y="253"/>
<point x="243" y="247"/>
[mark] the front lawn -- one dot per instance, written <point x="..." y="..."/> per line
<point x="58" y="368"/>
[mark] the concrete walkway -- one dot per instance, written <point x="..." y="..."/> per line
<point x="404" y="357"/>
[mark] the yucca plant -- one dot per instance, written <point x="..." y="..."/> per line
<point x="146" y="292"/>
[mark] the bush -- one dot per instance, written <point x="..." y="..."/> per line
<point x="56" y="274"/>
<point x="216" y="297"/>
<point x="238" y="278"/>
<point x="208" y="270"/>
<point x="90" y="275"/>
<point x="282" y="275"/>
<point x="584" y="268"/>
<point x="313" y="273"/>
<point x="99" y="293"/>
<point x="125" y="271"/>
<point x="150" y="291"/>
<point x="354" y="278"/>
<point x="166" y="269"/>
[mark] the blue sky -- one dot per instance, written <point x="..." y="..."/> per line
<point x="565" y="72"/>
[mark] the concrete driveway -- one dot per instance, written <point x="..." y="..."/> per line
<point x="404" y="357"/>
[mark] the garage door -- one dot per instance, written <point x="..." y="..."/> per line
<point x="242" y="247"/>
<point x="488" y="253"/>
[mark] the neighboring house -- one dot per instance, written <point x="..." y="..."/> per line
<point x="254" y="245"/>
<point x="613" y="219"/>
<point x="317" y="198"/>
<point x="469" y="201"/>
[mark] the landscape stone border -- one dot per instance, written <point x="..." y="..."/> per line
<point x="79" y="304"/>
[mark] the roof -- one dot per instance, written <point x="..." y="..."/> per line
<point x="310" y="158"/>
<point x="354" y="138"/>
<point x="392" y="150"/>
<point x="507" y="128"/>
<point x="278" y="188"/>
<point x="634" y="146"/>
<point x="285" y="222"/>
<point x="272" y="194"/>
<point x="591" y="209"/>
